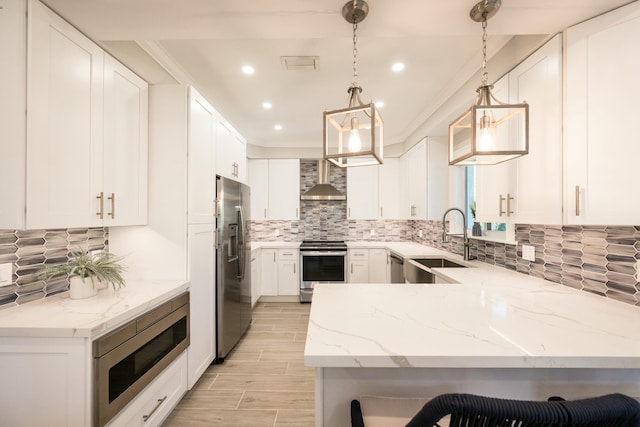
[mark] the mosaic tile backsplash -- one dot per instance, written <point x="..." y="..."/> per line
<point x="29" y="250"/>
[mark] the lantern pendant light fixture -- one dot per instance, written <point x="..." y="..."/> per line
<point x="490" y="131"/>
<point x="352" y="136"/>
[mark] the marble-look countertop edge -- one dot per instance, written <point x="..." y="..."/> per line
<point x="61" y="317"/>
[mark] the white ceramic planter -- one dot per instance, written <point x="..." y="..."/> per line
<point x="79" y="289"/>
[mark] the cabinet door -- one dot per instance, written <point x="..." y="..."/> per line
<point x="240" y="158"/>
<point x="379" y="266"/>
<point x="389" y="189"/>
<point x="269" y="270"/>
<point x="202" y="349"/>
<point x="256" y="277"/>
<point x="201" y="155"/>
<point x="359" y="266"/>
<point x="493" y="188"/>
<point x="601" y="103"/>
<point x="225" y="158"/>
<point x="126" y="99"/>
<point x="415" y="181"/>
<point x="64" y="124"/>
<point x="537" y="176"/>
<point x="362" y="192"/>
<point x="437" y="193"/>
<point x="13" y="45"/>
<point x="284" y="189"/>
<point x="259" y="183"/>
<point x="288" y="272"/>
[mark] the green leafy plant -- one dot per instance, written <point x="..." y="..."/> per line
<point x="473" y="210"/>
<point x="99" y="267"/>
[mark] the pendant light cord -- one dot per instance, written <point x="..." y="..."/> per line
<point x="355" y="54"/>
<point x="485" y="74"/>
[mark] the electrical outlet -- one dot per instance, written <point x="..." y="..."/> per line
<point x="6" y="274"/>
<point x="419" y="233"/>
<point x="373" y="232"/>
<point x="529" y="252"/>
<point x="277" y="233"/>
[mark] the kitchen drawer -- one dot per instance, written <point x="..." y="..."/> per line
<point x="158" y="399"/>
<point x="287" y="254"/>
<point x="358" y="254"/>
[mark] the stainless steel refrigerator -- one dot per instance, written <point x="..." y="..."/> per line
<point x="233" y="272"/>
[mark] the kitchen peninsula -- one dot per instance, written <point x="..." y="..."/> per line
<point x="495" y="332"/>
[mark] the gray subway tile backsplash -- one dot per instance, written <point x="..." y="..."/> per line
<point x="30" y="250"/>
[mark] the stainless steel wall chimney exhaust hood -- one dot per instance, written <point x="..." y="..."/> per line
<point x="323" y="190"/>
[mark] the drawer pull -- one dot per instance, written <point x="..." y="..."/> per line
<point x="160" y="402"/>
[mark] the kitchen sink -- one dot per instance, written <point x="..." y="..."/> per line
<point x="439" y="263"/>
<point x="419" y="270"/>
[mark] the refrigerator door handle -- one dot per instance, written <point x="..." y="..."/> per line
<point x="240" y="241"/>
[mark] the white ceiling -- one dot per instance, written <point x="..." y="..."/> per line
<point x="211" y="40"/>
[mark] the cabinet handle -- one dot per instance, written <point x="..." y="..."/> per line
<point x="351" y="268"/>
<point x="265" y="212"/>
<point x="274" y="257"/>
<point x="349" y="212"/>
<point x="296" y="212"/>
<point x="577" y="200"/>
<point x="509" y="199"/>
<point x="294" y="269"/>
<point x="160" y="402"/>
<point x="101" y="198"/>
<point x="112" y="214"/>
<point x="500" y="211"/>
<point x="381" y="213"/>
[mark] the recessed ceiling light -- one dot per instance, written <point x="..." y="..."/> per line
<point x="267" y="105"/>
<point x="278" y="127"/>
<point x="397" y="67"/>
<point x="248" y="69"/>
<point x="379" y="104"/>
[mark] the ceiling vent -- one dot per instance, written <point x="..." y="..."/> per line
<point x="299" y="63"/>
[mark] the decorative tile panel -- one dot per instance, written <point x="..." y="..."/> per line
<point x="30" y="250"/>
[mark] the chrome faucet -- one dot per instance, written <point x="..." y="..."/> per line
<point x="465" y="239"/>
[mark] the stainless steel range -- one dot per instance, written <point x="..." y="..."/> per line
<point x="321" y="261"/>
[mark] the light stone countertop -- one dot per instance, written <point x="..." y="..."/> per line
<point x="60" y="316"/>
<point x="492" y="318"/>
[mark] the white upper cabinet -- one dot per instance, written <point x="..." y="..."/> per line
<point x="373" y="192"/>
<point x="259" y="183"/>
<point x="64" y="125"/>
<point x="529" y="189"/>
<point x="201" y="153"/>
<point x="424" y="179"/>
<point x="83" y="159"/>
<point x="275" y="189"/>
<point x="231" y="152"/>
<point x="362" y="192"/>
<point x="284" y="189"/>
<point x="126" y="117"/>
<point x="389" y="189"/>
<point x="602" y="93"/>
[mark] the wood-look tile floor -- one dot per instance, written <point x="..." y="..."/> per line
<point x="263" y="382"/>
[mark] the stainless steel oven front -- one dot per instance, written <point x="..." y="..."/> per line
<point x="321" y="266"/>
<point x="126" y="360"/>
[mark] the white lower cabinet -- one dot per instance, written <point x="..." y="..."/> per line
<point x="152" y="406"/>
<point x="280" y="272"/>
<point x="368" y="266"/>
<point x="39" y="369"/>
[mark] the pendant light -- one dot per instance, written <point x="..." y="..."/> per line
<point x="353" y="135"/>
<point x="490" y="131"/>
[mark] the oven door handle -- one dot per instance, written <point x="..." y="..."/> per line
<point x="322" y="253"/>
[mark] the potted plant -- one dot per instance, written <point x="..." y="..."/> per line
<point x="86" y="270"/>
<point x="476" y="230"/>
